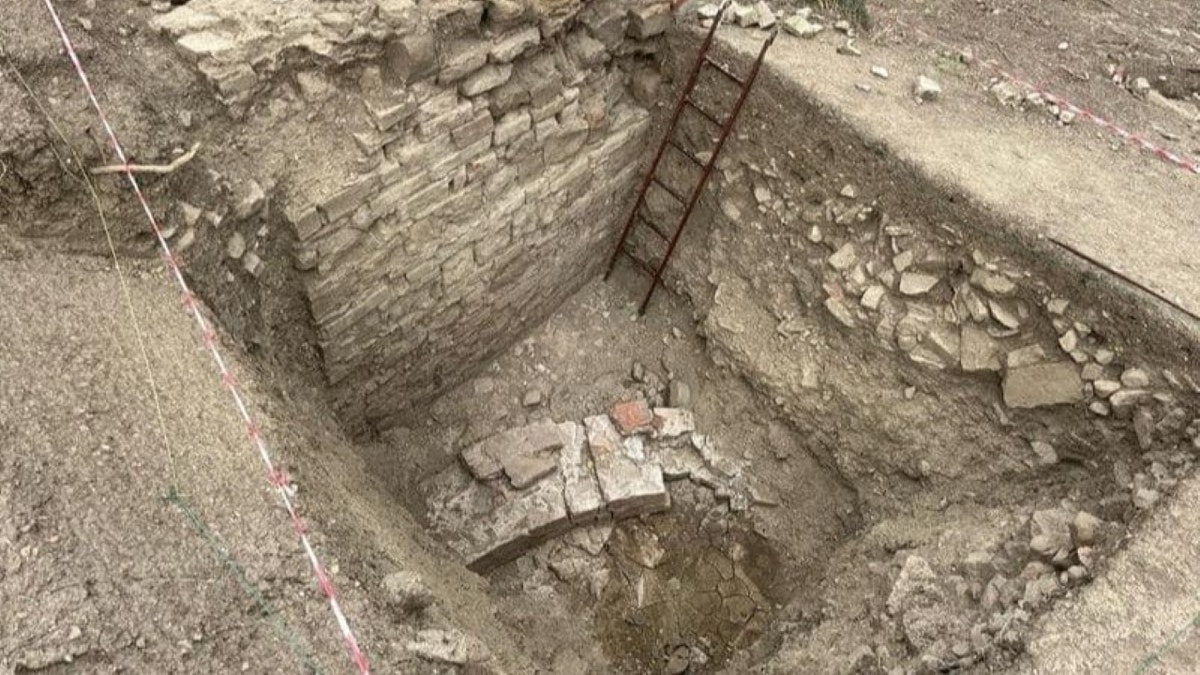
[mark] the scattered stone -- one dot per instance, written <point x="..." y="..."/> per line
<point x="1143" y="428"/>
<point x="1025" y="356"/>
<point x="927" y="89"/>
<point x="407" y="593"/>
<point x="236" y="246"/>
<point x="801" y="27"/>
<point x="1004" y="314"/>
<point x="1084" y="528"/>
<point x="532" y="398"/>
<point x="252" y="264"/>
<point x="880" y="72"/>
<point x="1069" y="341"/>
<point x="916" y="577"/>
<point x="979" y="352"/>
<point x="1057" y="306"/>
<point x="993" y="284"/>
<point x="873" y="296"/>
<point x="1042" y="384"/>
<point x="903" y="260"/>
<point x="186" y="240"/>
<point x="251" y="199"/>
<point x="762" y="194"/>
<point x="1105" y="356"/>
<point x="679" y="394"/>
<point x="1092" y="372"/>
<point x="766" y="17"/>
<point x="638" y="372"/>
<point x="1123" y="401"/>
<point x="1105" y="388"/>
<point x="840" y="311"/>
<point x="848" y="49"/>
<point x="849" y="191"/>
<point x="917" y="283"/>
<point x="1144" y="498"/>
<point x="744" y="15"/>
<point x="708" y="11"/>
<point x="679" y="661"/>
<point x="632" y="417"/>
<point x="1045" y="453"/>
<point x="1135" y="378"/>
<point x="1051" y="532"/>
<point x="189" y="214"/>
<point x="844" y="258"/>
<point x="1099" y="408"/>
<point x="448" y="646"/>
<point x="646" y="550"/>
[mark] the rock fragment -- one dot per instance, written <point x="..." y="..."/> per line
<point x="801" y="27"/>
<point x="1042" y="384"/>
<point x="235" y="247"/>
<point x="927" y="89"/>
<point x="406" y="592"/>
<point x="917" y="283"/>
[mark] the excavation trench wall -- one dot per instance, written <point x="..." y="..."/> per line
<point x="837" y="277"/>
<point x="481" y="153"/>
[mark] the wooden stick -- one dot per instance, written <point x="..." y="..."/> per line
<point x="150" y="168"/>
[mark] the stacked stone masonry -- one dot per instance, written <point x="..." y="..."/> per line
<point x="496" y="144"/>
<point x="527" y="485"/>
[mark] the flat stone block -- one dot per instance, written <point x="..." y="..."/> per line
<point x="671" y="422"/>
<point x="580" y="489"/>
<point x="629" y="486"/>
<point x="1042" y="384"/>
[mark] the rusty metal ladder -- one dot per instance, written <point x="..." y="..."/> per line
<point x="726" y="125"/>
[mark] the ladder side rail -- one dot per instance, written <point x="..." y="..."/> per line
<point x="662" y="148"/>
<point x="725" y="131"/>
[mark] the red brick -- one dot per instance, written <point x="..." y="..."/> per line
<point x="632" y="417"/>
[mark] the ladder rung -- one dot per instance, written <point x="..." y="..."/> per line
<point x="686" y="153"/>
<point x="653" y="225"/>
<point x="707" y="115"/>
<point x="645" y="266"/>
<point x="670" y="190"/>
<point x="724" y="71"/>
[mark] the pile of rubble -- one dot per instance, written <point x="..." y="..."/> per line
<point x="1002" y="588"/>
<point x="527" y="485"/>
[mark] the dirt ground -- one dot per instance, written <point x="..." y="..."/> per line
<point x="580" y="362"/>
<point x="1074" y="49"/>
<point x="100" y="571"/>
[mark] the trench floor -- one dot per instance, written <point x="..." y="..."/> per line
<point x="719" y="577"/>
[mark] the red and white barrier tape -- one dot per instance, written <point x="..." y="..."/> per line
<point x="1136" y="140"/>
<point x="276" y="478"/>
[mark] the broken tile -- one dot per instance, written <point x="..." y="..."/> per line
<point x="632" y="417"/>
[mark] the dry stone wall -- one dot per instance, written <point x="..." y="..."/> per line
<point x="494" y="145"/>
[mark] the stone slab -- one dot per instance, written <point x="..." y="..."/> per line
<point x="672" y="422"/>
<point x="630" y="485"/>
<point x="580" y="489"/>
<point x="1043" y="384"/>
<point x="524" y="454"/>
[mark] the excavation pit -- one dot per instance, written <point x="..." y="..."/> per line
<point x="939" y="425"/>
